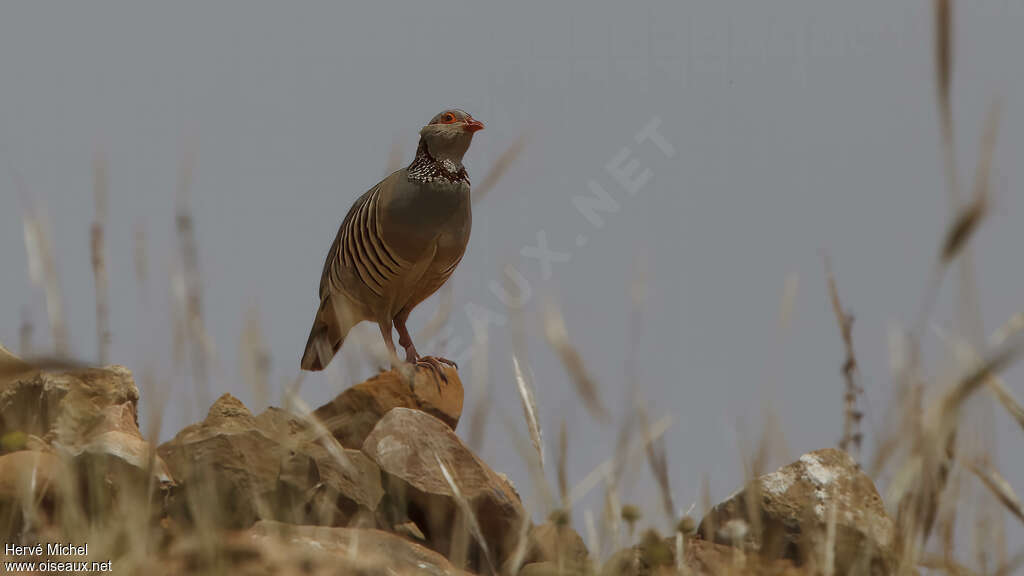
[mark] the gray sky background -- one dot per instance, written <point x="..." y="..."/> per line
<point x="800" y="128"/>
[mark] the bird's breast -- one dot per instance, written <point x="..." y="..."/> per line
<point x="425" y="214"/>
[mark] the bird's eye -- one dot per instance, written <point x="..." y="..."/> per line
<point x="448" y="118"/>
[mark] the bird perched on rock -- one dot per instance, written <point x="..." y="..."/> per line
<point x="398" y="244"/>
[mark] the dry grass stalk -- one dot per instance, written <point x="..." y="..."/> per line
<point x="943" y="80"/>
<point x="590" y="527"/>
<point x="529" y="411"/>
<point x="255" y="358"/>
<point x="970" y="216"/>
<point x="995" y="383"/>
<point x="999" y="487"/>
<point x="515" y="561"/>
<point x="563" y="465"/>
<point x="558" y="337"/>
<point x="192" y="283"/>
<point x="25" y="333"/>
<point x="481" y="390"/>
<point x="504" y="162"/>
<point x="1006" y="331"/>
<point x="919" y="485"/>
<point x="657" y="458"/>
<point x="139" y="257"/>
<point x="322" y="435"/>
<point x="467" y="512"/>
<point x="851" y="440"/>
<point x="12" y="367"/>
<point x="1007" y="400"/>
<point x="606" y="467"/>
<point x="99" y="268"/>
<point x="43" y="269"/>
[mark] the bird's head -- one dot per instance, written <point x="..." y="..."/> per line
<point x="448" y="134"/>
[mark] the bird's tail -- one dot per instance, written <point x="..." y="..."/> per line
<point x="325" y="338"/>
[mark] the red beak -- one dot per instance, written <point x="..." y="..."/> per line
<point x="473" y="125"/>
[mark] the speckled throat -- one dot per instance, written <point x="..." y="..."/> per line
<point x="425" y="168"/>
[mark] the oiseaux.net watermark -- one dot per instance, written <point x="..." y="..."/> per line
<point x="52" y="557"/>
<point x="627" y="172"/>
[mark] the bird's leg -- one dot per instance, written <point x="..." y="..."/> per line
<point x="404" y="340"/>
<point x="412" y="356"/>
<point x="385" y="331"/>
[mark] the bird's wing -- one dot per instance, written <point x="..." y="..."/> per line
<point x="360" y="250"/>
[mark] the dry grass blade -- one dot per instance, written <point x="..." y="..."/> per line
<point x="602" y="470"/>
<point x="25" y="331"/>
<point x="43" y="271"/>
<point x="481" y="390"/>
<point x="322" y="434"/>
<point x="962" y="228"/>
<point x="943" y="48"/>
<point x="919" y="484"/>
<point x="195" y="326"/>
<point x="563" y="464"/>
<point x="255" y="358"/>
<point x="529" y="410"/>
<point x="558" y="337"/>
<point x="99" y="267"/>
<point x="1008" y="401"/>
<point x="467" y="512"/>
<point x="1012" y="326"/>
<point x="995" y="383"/>
<point x="851" y="440"/>
<point x="950" y="404"/>
<point x="971" y="215"/>
<point x="1010" y="566"/>
<point x="505" y="161"/>
<point x="658" y="460"/>
<point x="590" y="527"/>
<point x="12" y="367"/>
<point x="1000" y="488"/>
<point x="515" y="562"/>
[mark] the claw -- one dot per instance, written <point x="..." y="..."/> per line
<point x="435" y="364"/>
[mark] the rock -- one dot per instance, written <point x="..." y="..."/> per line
<point x="63" y="405"/>
<point x="352" y="414"/>
<point x="114" y="444"/>
<point x="545" y="569"/>
<point x="28" y="480"/>
<point x="88" y="415"/>
<point x="793" y="505"/>
<point x="273" y="466"/>
<point x="347" y="550"/>
<point x="289" y="550"/>
<point x="657" y="557"/>
<point x="407" y="445"/>
<point x="558" y="544"/>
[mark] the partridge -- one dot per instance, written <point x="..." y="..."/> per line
<point x="397" y="245"/>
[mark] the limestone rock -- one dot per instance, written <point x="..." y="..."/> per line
<point x="793" y="506"/>
<point x="28" y="481"/>
<point x="269" y="467"/>
<point x="558" y="544"/>
<point x="87" y="414"/>
<point x="407" y="446"/>
<point x="352" y="414"/>
<point x="657" y="557"/>
<point x="63" y="405"/>
<point x="374" y="551"/>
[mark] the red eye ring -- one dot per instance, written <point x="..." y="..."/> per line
<point x="448" y="118"/>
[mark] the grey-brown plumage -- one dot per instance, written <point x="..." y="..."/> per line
<point x="398" y="244"/>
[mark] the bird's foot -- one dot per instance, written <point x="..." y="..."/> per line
<point x="436" y="364"/>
